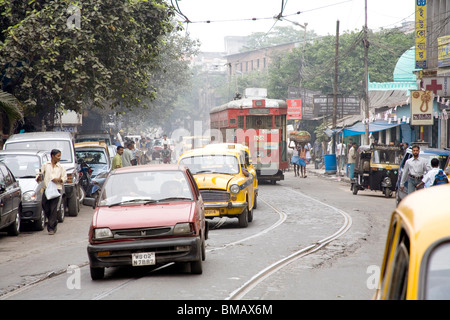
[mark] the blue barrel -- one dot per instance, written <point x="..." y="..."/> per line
<point x="330" y="163"/>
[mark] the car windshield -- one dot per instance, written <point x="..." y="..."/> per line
<point x="145" y="187"/>
<point x="226" y="164"/>
<point x="442" y="159"/>
<point x="437" y="282"/>
<point x="92" y="156"/>
<point x="22" y="166"/>
<point x="63" y="145"/>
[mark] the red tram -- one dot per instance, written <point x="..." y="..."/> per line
<point x="258" y="123"/>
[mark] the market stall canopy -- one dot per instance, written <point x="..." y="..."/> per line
<point x="360" y="128"/>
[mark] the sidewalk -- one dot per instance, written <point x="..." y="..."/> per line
<point x="310" y="168"/>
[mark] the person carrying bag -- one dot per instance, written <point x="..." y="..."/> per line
<point x="53" y="174"/>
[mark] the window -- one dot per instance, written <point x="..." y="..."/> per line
<point x="399" y="279"/>
<point x="437" y="281"/>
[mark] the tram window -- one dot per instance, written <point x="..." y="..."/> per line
<point x="257" y="122"/>
<point x="232" y="121"/>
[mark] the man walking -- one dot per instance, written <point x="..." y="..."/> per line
<point x="414" y="170"/>
<point x="351" y="160"/>
<point x="127" y="154"/>
<point x="117" y="159"/>
<point x="52" y="171"/>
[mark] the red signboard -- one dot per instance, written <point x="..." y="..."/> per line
<point x="294" y="109"/>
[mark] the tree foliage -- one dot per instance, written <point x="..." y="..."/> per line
<point x="105" y="59"/>
<point x="314" y="68"/>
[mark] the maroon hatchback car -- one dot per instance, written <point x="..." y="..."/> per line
<point x="148" y="215"/>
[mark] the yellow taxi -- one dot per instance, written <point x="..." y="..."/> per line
<point x="416" y="263"/>
<point x="224" y="182"/>
<point x="248" y="163"/>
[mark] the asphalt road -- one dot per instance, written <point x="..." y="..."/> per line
<point x="291" y="215"/>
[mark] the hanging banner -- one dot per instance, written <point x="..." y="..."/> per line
<point x="421" y="108"/>
<point x="421" y="34"/>
<point x="294" y="109"/>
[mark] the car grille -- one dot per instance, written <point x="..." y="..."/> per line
<point x="141" y="233"/>
<point x="214" y="195"/>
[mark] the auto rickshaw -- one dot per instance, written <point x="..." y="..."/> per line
<point x="377" y="168"/>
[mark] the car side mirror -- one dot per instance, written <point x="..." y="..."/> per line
<point x="245" y="172"/>
<point x="2" y="187"/>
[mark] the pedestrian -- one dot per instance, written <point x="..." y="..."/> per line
<point x="340" y="153"/>
<point x="295" y="158"/>
<point x="414" y="170"/>
<point x="302" y="161"/>
<point x="428" y="179"/>
<point x="52" y="171"/>
<point x="308" y="152"/>
<point x="117" y="159"/>
<point x="127" y="154"/>
<point x="351" y="160"/>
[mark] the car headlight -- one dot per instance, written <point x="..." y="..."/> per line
<point x="29" y="196"/>
<point x="183" y="228"/>
<point x="102" y="233"/>
<point x="234" y="189"/>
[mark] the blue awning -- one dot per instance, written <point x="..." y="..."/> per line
<point x="360" y="128"/>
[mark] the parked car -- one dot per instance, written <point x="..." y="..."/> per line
<point x="442" y="155"/>
<point x="10" y="202"/>
<point x="25" y="165"/>
<point x="416" y="262"/>
<point x="48" y="141"/>
<point x="224" y="182"/>
<point x="147" y="215"/>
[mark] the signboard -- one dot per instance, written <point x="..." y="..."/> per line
<point x="421" y="34"/>
<point x="440" y="86"/>
<point x="444" y="51"/>
<point x="294" y="109"/>
<point x="346" y="105"/>
<point x="421" y="107"/>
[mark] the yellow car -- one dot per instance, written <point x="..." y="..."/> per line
<point x="248" y="163"/>
<point x="416" y="263"/>
<point x="224" y="182"/>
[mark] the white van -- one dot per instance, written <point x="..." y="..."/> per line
<point x="47" y="141"/>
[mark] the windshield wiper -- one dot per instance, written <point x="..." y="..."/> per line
<point x="173" y="198"/>
<point x="129" y="201"/>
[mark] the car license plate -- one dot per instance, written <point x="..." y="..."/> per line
<point x="212" y="212"/>
<point x="143" y="259"/>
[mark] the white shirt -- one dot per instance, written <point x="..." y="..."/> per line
<point x="428" y="179"/>
<point x="415" y="167"/>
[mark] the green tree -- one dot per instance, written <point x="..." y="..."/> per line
<point x="106" y="58"/>
<point x="12" y="108"/>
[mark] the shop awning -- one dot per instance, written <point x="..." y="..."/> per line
<point x="360" y="128"/>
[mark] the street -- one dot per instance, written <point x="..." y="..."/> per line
<point x="292" y="219"/>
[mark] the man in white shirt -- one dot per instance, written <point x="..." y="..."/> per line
<point x="414" y="170"/>
<point x="428" y="179"/>
<point x="52" y="171"/>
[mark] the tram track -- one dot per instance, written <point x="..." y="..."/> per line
<point x="278" y="265"/>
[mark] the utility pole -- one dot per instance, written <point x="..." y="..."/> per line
<point x="366" y="77"/>
<point x="335" y="91"/>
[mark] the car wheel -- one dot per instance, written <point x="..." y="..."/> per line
<point x="73" y="205"/>
<point x="39" y="223"/>
<point x="61" y="211"/>
<point x="97" y="273"/>
<point x="243" y="219"/>
<point x="196" y="267"/>
<point x="14" y="228"/>
<point x="250" y="215"/>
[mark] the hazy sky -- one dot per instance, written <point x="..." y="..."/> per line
<point x="234" y="17"/>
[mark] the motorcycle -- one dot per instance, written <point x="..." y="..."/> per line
<point x="90" y="187"/>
